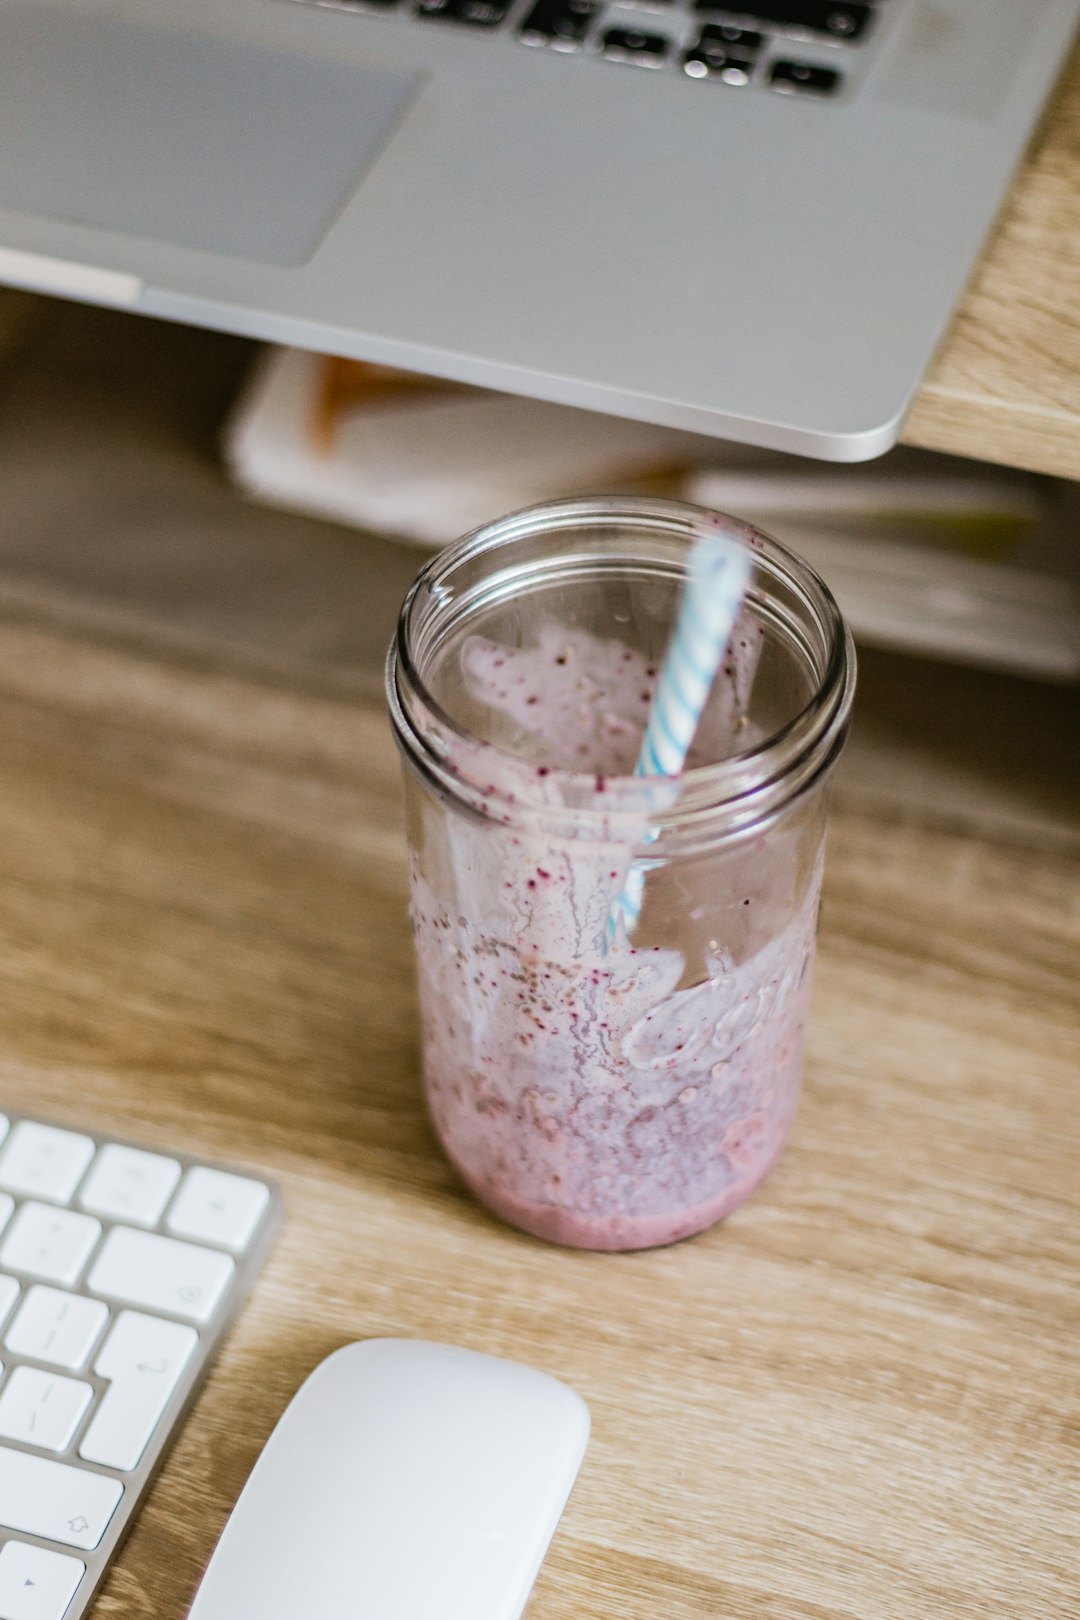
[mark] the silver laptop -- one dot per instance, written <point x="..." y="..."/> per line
<point x="748" y="219"/>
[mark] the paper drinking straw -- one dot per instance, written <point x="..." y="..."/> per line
<point x="717" y="577"/>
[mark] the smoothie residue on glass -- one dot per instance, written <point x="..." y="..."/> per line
<point x="595" y="1092"/>
<point x="584" y="702"/>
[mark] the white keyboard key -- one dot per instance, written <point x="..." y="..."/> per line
<point x="51" y="1243"/>
<point x="59" y="1328"/>
<point x="40" y="1497"/>
<point x="218" y="1208"/>
<point x="9" y="1293"/>
<point x="36" y="1584"/>
<point x="144" y="1357"/>
<point x="101" y="1329"/>
<point x="42" y="1408"/>
<point x="43" y="1162"/>
<point x="160" y="1273"/>
<point x="126" y="1184"/>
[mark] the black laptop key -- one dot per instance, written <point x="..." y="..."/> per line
<point x="722" y="51"/>
<point x="480" y="13"/>
<point x="839" y="19"/>
<point x="713" y="62"/>
<point x="631" y="45"/>
<point x="804" y="78"/>
<point x="730" y="38"/>
<point x="562" y="24"/>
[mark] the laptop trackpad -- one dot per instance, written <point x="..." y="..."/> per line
<point x="209" y="143"/>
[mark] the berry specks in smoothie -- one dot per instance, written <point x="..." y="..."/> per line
<point x="580" y="701"/>
<point x="598" y="1093"/>
<point x="579" y="698"/>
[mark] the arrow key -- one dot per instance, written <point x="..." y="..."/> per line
<point x="144" y="1357"/>
<point x="36" y="1584"/>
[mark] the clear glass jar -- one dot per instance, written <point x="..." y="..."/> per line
<point x="611" y="1092"/>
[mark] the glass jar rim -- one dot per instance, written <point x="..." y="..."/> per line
<point x="745" y="787"/>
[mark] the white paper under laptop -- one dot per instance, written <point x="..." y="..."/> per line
<point x="747" y="220"/>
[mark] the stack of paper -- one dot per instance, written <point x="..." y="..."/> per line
<point x="924" y="553"/>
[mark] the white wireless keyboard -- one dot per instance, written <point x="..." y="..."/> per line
<point x="120" y="1270"/>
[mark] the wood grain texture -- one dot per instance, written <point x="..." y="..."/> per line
<point x="1005" y="386"/>
<point x="856" y="1400"/>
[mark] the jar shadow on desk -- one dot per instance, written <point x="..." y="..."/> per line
<point x="596" y="1088"/>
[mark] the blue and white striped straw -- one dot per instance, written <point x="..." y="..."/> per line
<point x="718" y="574"/>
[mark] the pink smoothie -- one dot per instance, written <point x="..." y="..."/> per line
<point x="606" y="1096"/>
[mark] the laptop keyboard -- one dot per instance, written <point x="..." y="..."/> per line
<point x="795" y="47"/>
<point x="119" y="1271"/>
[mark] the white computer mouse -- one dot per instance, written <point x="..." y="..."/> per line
<point x="405" y="1481"/>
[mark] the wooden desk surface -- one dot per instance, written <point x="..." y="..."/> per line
<point x="1005" y="385"/>
<point x="858" y="1398"/>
